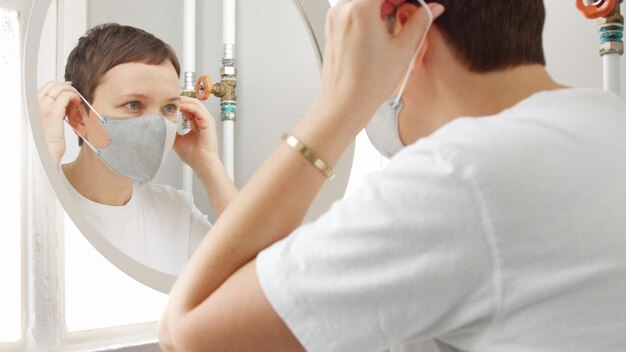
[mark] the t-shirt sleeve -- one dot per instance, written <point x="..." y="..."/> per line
<point x="406" y="258"/>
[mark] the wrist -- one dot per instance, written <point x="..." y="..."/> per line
<point x="207" y="166"/>
<point x="350" y="116"/>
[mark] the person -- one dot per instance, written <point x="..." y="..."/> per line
<point x="498" y="227"/>
<point x="122" y="98"/>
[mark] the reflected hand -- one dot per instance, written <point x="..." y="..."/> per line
<point x="55" y="100"/>
<point x="198" y="148"/>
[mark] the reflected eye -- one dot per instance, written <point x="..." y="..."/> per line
<point x="170" y="109"/>
<point x="133" y="105"/>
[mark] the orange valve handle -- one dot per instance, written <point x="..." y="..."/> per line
<point x="603" y="9"/>
<point x="203" y="87"/>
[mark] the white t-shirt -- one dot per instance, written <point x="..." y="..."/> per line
<point x="159" y="226"/>
<point x="502" y="233"/>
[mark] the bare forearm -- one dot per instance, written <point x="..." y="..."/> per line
<point x="270" y="206"/>
<point x="362" y="66"/>
<point x="219" y="187"/>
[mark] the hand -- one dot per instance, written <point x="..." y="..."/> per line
<point x="389" y="7"/>
<point x="198" y="148"/>
<point x="55" y="100"/>
<point x="363" y="62"/>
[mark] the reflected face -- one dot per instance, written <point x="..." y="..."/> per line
<point x="131" y="90"/>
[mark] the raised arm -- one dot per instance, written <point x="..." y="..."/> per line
<point x="199" y="149"/>
<point x="217" y="302"/>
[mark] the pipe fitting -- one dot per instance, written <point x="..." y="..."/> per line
<point x="229" y="110"/>
<point x="611" y="48"/>
<point x="188" y="85"/>
<point x="228" y="71"/>
<point x="184" y="126"/>
<point x="228" y="84"/>
<point x="611" y="29"/>
<point x="613" y="17"/>
<point x="225" y="90"/>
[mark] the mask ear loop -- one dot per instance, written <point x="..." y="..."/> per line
<point x="91" y="107"/>
<point x="429" y="13"/>
<point x="97" y="151"/>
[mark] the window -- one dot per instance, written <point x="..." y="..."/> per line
<point x="97" y="294"/>
<point x="56" y="311"/>
<point x="11" y="156"/>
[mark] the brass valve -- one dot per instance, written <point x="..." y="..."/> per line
<point x="225" y="89"/>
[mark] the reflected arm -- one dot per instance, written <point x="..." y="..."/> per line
<point x="199" y="150"/>
<point x="218" y="186"/>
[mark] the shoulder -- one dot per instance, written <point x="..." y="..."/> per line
<point x="538" y="128"/>
<point x="163" y="194"/>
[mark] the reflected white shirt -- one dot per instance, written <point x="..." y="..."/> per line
<point x="159" y="226"/>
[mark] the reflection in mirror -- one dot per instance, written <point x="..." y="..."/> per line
<point x="123" y="102"/>
<point x="126" y="111"/>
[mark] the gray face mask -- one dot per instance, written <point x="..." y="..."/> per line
<point x="137" y="145"/>
<point x="382" y="130"/>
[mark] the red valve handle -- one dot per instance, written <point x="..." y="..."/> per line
<point x="203" y="87"/>
<point x="596" y="11"/>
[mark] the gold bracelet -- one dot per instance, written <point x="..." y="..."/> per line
<point x="309" y="154"/>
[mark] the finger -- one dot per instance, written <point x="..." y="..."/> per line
<point x="181" y="138"/>
<point x="60" y="105"/>
<point x="187" y="102"/>
<point x="389" y="7"/>
<point x="50" y="98"/>
<point x="328" y="29"/>
<point x="197" y="112"/>
<point x="45" y="88"/>
<point x="57" y="89"/>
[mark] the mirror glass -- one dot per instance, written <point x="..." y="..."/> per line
<point x="278" y="54"/>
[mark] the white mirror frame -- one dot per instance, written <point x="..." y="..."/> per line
<point x="313" y="13"/>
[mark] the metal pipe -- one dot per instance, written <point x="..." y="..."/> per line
<point x="612" y="73"/>
<point x="611" y="30"/>
<point x="189" y="68"/>
<point x="229" y="79"/>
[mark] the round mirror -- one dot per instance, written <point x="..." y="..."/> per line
<point x="279" y="46"/>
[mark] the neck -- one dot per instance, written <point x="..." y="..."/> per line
<point x="484" y="94"/>
<point x="444" y="92"/>
<point x="96" y="181"/>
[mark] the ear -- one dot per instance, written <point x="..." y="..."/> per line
<point x="76" y="116"/>
<point x="403" y="13"/>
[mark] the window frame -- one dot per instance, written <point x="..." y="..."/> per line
<point x="42" y="244"/>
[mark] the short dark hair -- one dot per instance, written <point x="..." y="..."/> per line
<point x="108" y="45"/>
<point x="493" y="35"/>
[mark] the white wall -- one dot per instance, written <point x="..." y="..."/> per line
<point x="571" y="44"/>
